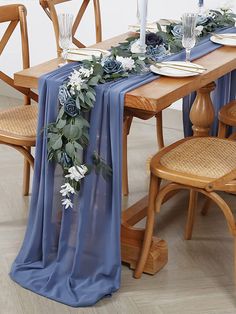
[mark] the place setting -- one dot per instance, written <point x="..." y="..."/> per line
<point x="224" y="39"/>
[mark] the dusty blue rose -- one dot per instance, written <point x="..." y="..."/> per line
<point x="63" y="94"/>
<point x="111" y="66"/>
<point x="203" y="20"/>
<point x="70" y="107"/>
<point x="66" y="161"/>
<point x="156" y="53"/>
<point x="177" y="31"/>
<point x="152" y="39"/>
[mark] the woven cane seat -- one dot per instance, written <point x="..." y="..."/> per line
<point x="203" y="156"/>
<point x="227" y="114"/>
<point x="19" y="122"/>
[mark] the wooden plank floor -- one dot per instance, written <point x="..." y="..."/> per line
<point x="199" y="274"/>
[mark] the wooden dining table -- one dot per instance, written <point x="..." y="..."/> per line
<point x="146" y="101"/>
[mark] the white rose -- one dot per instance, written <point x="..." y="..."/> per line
<point x="75" y="80"/>
<point x="67" y="203"/>
<point x="77" y="172"/>
<point x="127" y="63"/>
<point x="85" y="72"/>
<point x="67" y="189"/>
<point x="199" y="30"/>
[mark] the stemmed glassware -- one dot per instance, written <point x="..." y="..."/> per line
<point x="65" y="21"/>
<point x="189" y="21"/>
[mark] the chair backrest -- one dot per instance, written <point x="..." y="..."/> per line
<point x="16" y="14"/>
<point x="49" y="7"/>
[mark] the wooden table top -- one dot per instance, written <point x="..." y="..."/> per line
<point x="160" y="93"/>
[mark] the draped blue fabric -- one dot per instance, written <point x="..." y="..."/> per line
<point x="73" y="256"/>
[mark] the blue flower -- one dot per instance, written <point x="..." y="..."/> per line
<point x="203" y="20"/>
<point x="177" y="31"/>
<point x="152" y="39"/>
<point x="70" y="107"/>
<point x="66" y="161"/>
<point x="156" y="53"/>
<point x="63" y="94"/>
<point x="112" y="66"/>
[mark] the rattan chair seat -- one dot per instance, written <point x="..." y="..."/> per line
<point x="20" y="121"/>
<point x="203" y="156"/>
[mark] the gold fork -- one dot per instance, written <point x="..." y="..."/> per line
<point x="224" y="36"/>
<point x="182" y="68"/>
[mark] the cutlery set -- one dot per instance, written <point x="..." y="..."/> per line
<point x="183" y="67"/>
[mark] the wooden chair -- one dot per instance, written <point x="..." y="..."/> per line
<point x="18" y="124"/>
<point x="199" y="164"/>
<point x="227" y="117"/>
<point x="49" y="7"/>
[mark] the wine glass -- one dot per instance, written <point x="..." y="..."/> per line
<point x="65" y="21"/>
<point x="189" y="21"/>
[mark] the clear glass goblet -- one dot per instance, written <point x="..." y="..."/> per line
<point x="189" y="21"/>
<point x="65" y="21"/>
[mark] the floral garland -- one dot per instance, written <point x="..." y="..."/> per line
<point x="68" y="136"/>
<point x="165" y="42"/>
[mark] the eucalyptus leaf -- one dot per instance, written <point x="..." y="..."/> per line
<point x="60" y="114"/>
<point x="77" y="102"/>
<point x="81" y="96"/>
<point x="77" y="145"/>
<point x="57" y="144"/>
<point x="91" y="96"/>
<point x="70" y="149"/>
<point x="98" y="69"/>
<point x="72" y="132"/>
<point x="61" y="123"/>
<point x="93" y="81"/>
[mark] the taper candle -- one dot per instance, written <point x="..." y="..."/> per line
<point x="200" y="3"/>
<point x="143" y="18"/>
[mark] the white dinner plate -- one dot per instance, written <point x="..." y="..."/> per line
<point x="225" y="41"/>
<point x="80" y="54"/>
<point x="169" y="71"/>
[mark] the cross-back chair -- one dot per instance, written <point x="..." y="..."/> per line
<point x="18" y="124"/>
<point x="49" y="7"/>
<point x="199" y="164"/>
<point x="227" y="117"/>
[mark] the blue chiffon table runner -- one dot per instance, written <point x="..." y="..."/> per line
<point x="73" y="256"/>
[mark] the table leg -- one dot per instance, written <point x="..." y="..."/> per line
<point x="132" y="239"/>
<point x="202" y="112"/>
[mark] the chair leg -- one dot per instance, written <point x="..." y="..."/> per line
<point x="159" y="130"/>
<point x="26" y="176"/>
<point x="235" y="259"/>
<point x="222" y="130"/>
<point x="153" y="190"/>
<point x="191" y="214"/>
<point x="206" y="207"/>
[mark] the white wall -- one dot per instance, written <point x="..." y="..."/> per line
<point x="116" y="16"/>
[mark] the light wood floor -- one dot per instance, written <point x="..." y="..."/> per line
<point x="199" y="274"/>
